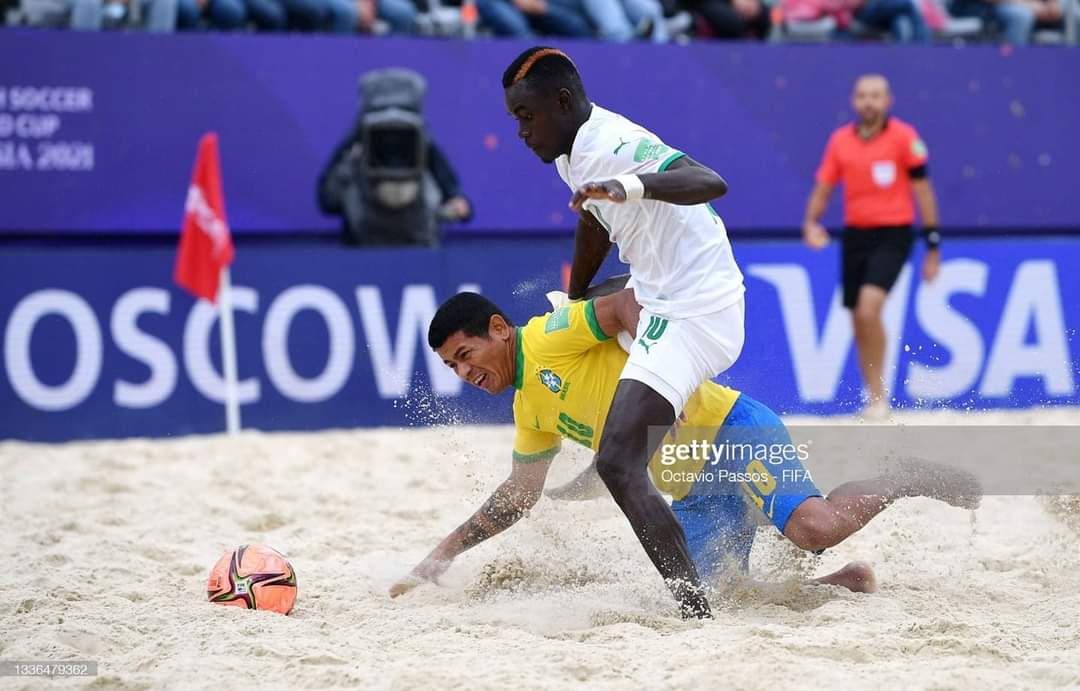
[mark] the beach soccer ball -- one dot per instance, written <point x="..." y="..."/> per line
<point x="253" y="577"/>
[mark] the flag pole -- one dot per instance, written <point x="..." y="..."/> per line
<point x="228" y="353"/>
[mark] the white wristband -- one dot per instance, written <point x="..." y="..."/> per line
<point x="557" y="298"/>
<point x="635" y="188"/>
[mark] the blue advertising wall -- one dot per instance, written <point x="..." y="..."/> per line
<point x="98" y="131"/>
<point x="98" y="342"/>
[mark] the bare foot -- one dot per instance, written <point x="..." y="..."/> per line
<point x="878" y="411"/>
<point x="920" y="478"/>
<point x="857" y="576"/>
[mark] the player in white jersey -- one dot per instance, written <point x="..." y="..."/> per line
<point x="634" y="191"/>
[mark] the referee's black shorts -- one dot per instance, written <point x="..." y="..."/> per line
<point x="873" y="256"/>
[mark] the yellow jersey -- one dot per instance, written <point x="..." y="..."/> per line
<point x="566" y="371"/>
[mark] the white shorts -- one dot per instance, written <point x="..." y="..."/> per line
<point x="674" y="356"/>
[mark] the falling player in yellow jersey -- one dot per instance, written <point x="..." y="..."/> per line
<point x="565" y="367"/>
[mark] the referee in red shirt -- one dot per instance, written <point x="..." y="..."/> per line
<point x="882" y="163"/>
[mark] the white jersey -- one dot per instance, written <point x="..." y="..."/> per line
<point x="679" y="256"/>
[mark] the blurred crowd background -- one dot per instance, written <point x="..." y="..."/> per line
<point x="1013" y="22"/>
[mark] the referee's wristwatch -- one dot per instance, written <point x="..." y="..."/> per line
<point x="932" y="236"/>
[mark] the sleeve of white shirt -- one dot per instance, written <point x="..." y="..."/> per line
<point x="614" y="151"/>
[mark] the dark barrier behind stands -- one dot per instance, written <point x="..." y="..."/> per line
<point x="98" y="132"/>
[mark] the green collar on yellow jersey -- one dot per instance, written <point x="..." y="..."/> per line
<point x="519" y="359"/>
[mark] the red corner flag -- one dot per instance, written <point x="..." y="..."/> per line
<point x="205" y="243"/>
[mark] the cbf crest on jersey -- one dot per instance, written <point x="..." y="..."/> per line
<point x="550" y="380"/>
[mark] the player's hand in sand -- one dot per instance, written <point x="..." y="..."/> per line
<point x="427" y="571"/>
<point x="404" y="585"/>
<point x="611" y="190"/>
<point x="814" y="235"/>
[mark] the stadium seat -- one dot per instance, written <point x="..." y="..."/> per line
<point x="962" y="27"/>
<point x="51" y="13"/>
<point x="1048" y="37"/>
<point x="858" y="30"/>
<point x="814" y="31"/>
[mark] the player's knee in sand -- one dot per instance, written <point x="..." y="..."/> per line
<point x="816" y="525"/>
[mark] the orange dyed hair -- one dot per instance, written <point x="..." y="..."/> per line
<point x="531" y="60"/>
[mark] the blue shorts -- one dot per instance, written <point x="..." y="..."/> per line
<point x="758" y="466"/>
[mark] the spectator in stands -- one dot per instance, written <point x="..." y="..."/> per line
<point x="648" y="18"/>
<point x="94" y="15"/>
<point x="336" y="16"/>
<point x="1015" y="19"/>
<point x="400" y="15"/>
<point x="81" y="15"/>
<point x="732" y="19"/>
<point x="1049" y="14"/>
<point x="216" y="14"/>
<point x="623" y="20"/>
<point x="275" y="15"/>
<point x="902" y="18"/>
<point x="842" y="11"/>
<point x="527" y="18"/>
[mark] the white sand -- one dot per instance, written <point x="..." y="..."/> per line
<point x="107" y="545"/>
